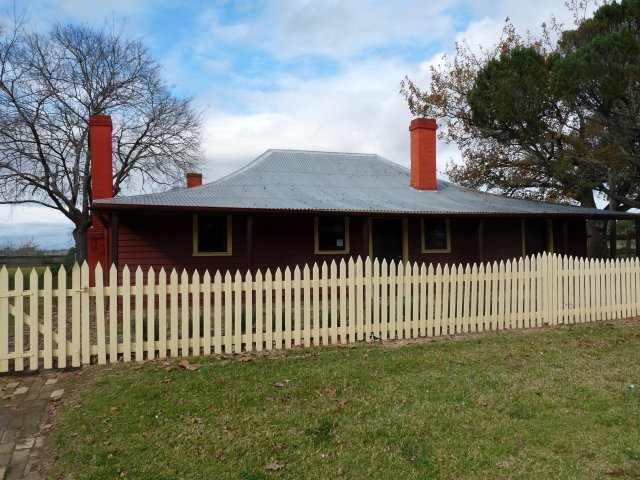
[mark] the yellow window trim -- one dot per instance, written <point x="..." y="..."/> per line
<point x="436" y="250"/>
<point x="549" y="236"/>
<point x="197" y="253"/>
<point x="405" y="239"/>
<point x="316" y="241"/>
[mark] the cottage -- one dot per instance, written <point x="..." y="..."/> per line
<point x="291" y="207"/>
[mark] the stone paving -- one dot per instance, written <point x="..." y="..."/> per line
<point x="25" y="403"/>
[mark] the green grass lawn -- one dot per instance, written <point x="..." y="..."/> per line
<point x="547" y="404"/>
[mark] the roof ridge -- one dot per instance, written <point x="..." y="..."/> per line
<point x="323" y="152"/>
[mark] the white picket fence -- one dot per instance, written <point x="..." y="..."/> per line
<point x="157" y="317"/>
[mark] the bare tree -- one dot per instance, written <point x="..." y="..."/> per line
<point x="50" y="84"/>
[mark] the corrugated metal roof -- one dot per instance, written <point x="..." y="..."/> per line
<point x="316" y="181"/>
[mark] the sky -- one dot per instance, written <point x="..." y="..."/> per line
<point x="297" y="74"/>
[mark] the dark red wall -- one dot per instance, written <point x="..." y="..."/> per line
<point x="280" y="240"/>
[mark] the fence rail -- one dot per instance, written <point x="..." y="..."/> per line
<point x="157" y="315"/>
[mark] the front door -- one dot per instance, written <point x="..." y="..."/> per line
<point x="386" y="239"/>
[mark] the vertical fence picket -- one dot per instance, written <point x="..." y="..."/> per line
<point x="351" y="269"/>
<point x="151" y="313"/>
<point x="407" y="317"/>
<point x="237" y="313"/>
<point x="368" y="299"/>
<point x="358" y="301"/>
<point x="466" y="320"/>
<point x="431" y="285"/>
<point x="173" y="313"/>
<point x="525" y="292"/>
<point x="100" y="326"/>
<point x="446" y="300"/>
<point x="162" y="313"/>
<point x="452" y="298"/>
<point x="415" y="300"/>
<point x="18" y="321"/>
<point x="138" y="295"/>
<point x="75" y="317"/>
<point x="627" y="286"/>
<point x="375" y="287"/>
<point x="4" y="318"/>
<point x="608" y="286"/>
<point x="126" y="314"/>
<point x="206" y="313"/>
<point x="539" y="290"/>
<point x="217" y="313"/>
<point x="249" y="323"/>
<point x="400" y="300"/>
<point x="333" y="282"/>
<point x="634" y="287"/>
<point x="437" y="316"/>
<point x="228" y="314"/>
<point x="502" y="289"/>
<point x="277" y="292"/>
<point x="259" y="324"/>
<point x="393" y="328"/>
<point x="581" y="288"/>
<point x="113" y="314"/>
<point x="85" y="314"/>
<point x="185" y="315"/>
<point x="296" y="321"/>
<point x="34" y="321"/>
<point x="619" y="288"/>
<point x="306" y="288"/>
<point x="196" y="318"/>
<point x="287" y="307"/>
<point x="424" y="287"/>
<point x="62" y="317"/>
<point x="268" y="310"/>
<point x="473" y="307"/>
<point x="460" y="300"/>
<point x="384" y="300"/>
<point x="482" y="312"/>
<point x="591" y="309"/>
<point x="324" y="305"/>
<point x="342" y="317"/>
<point x="315" y="285"/>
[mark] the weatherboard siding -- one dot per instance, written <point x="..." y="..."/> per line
<point x="164" y="240"/>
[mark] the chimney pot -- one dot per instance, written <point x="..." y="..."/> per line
<point x="423" y="153"/>
<point x="194" y="179"/>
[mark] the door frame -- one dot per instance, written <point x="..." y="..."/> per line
<point x="405" y="238"/>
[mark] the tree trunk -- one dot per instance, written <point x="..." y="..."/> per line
<point x="80" y="239"/>
<point x="597" y="239"/>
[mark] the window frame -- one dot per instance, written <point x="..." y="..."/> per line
<point x="316" y="239"/>
<point x="423" y="239"/>
<point x="198" y="253"/>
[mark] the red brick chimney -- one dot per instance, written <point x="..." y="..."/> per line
<point x="423" y="153"/>
<point x="194" y="179"/>
<point x="101" y="187"/>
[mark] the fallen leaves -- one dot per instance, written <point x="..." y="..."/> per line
<point x="284" y="384"/>
<point x="274" y="467"/>
<point x="185" y="365"/>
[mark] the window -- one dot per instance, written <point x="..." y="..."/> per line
<point x="436" y="236"/>
<point x="211" y="234"/>
<point x="331" y="234"/>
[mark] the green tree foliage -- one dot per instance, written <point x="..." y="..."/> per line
<point x="546" y="119"/>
